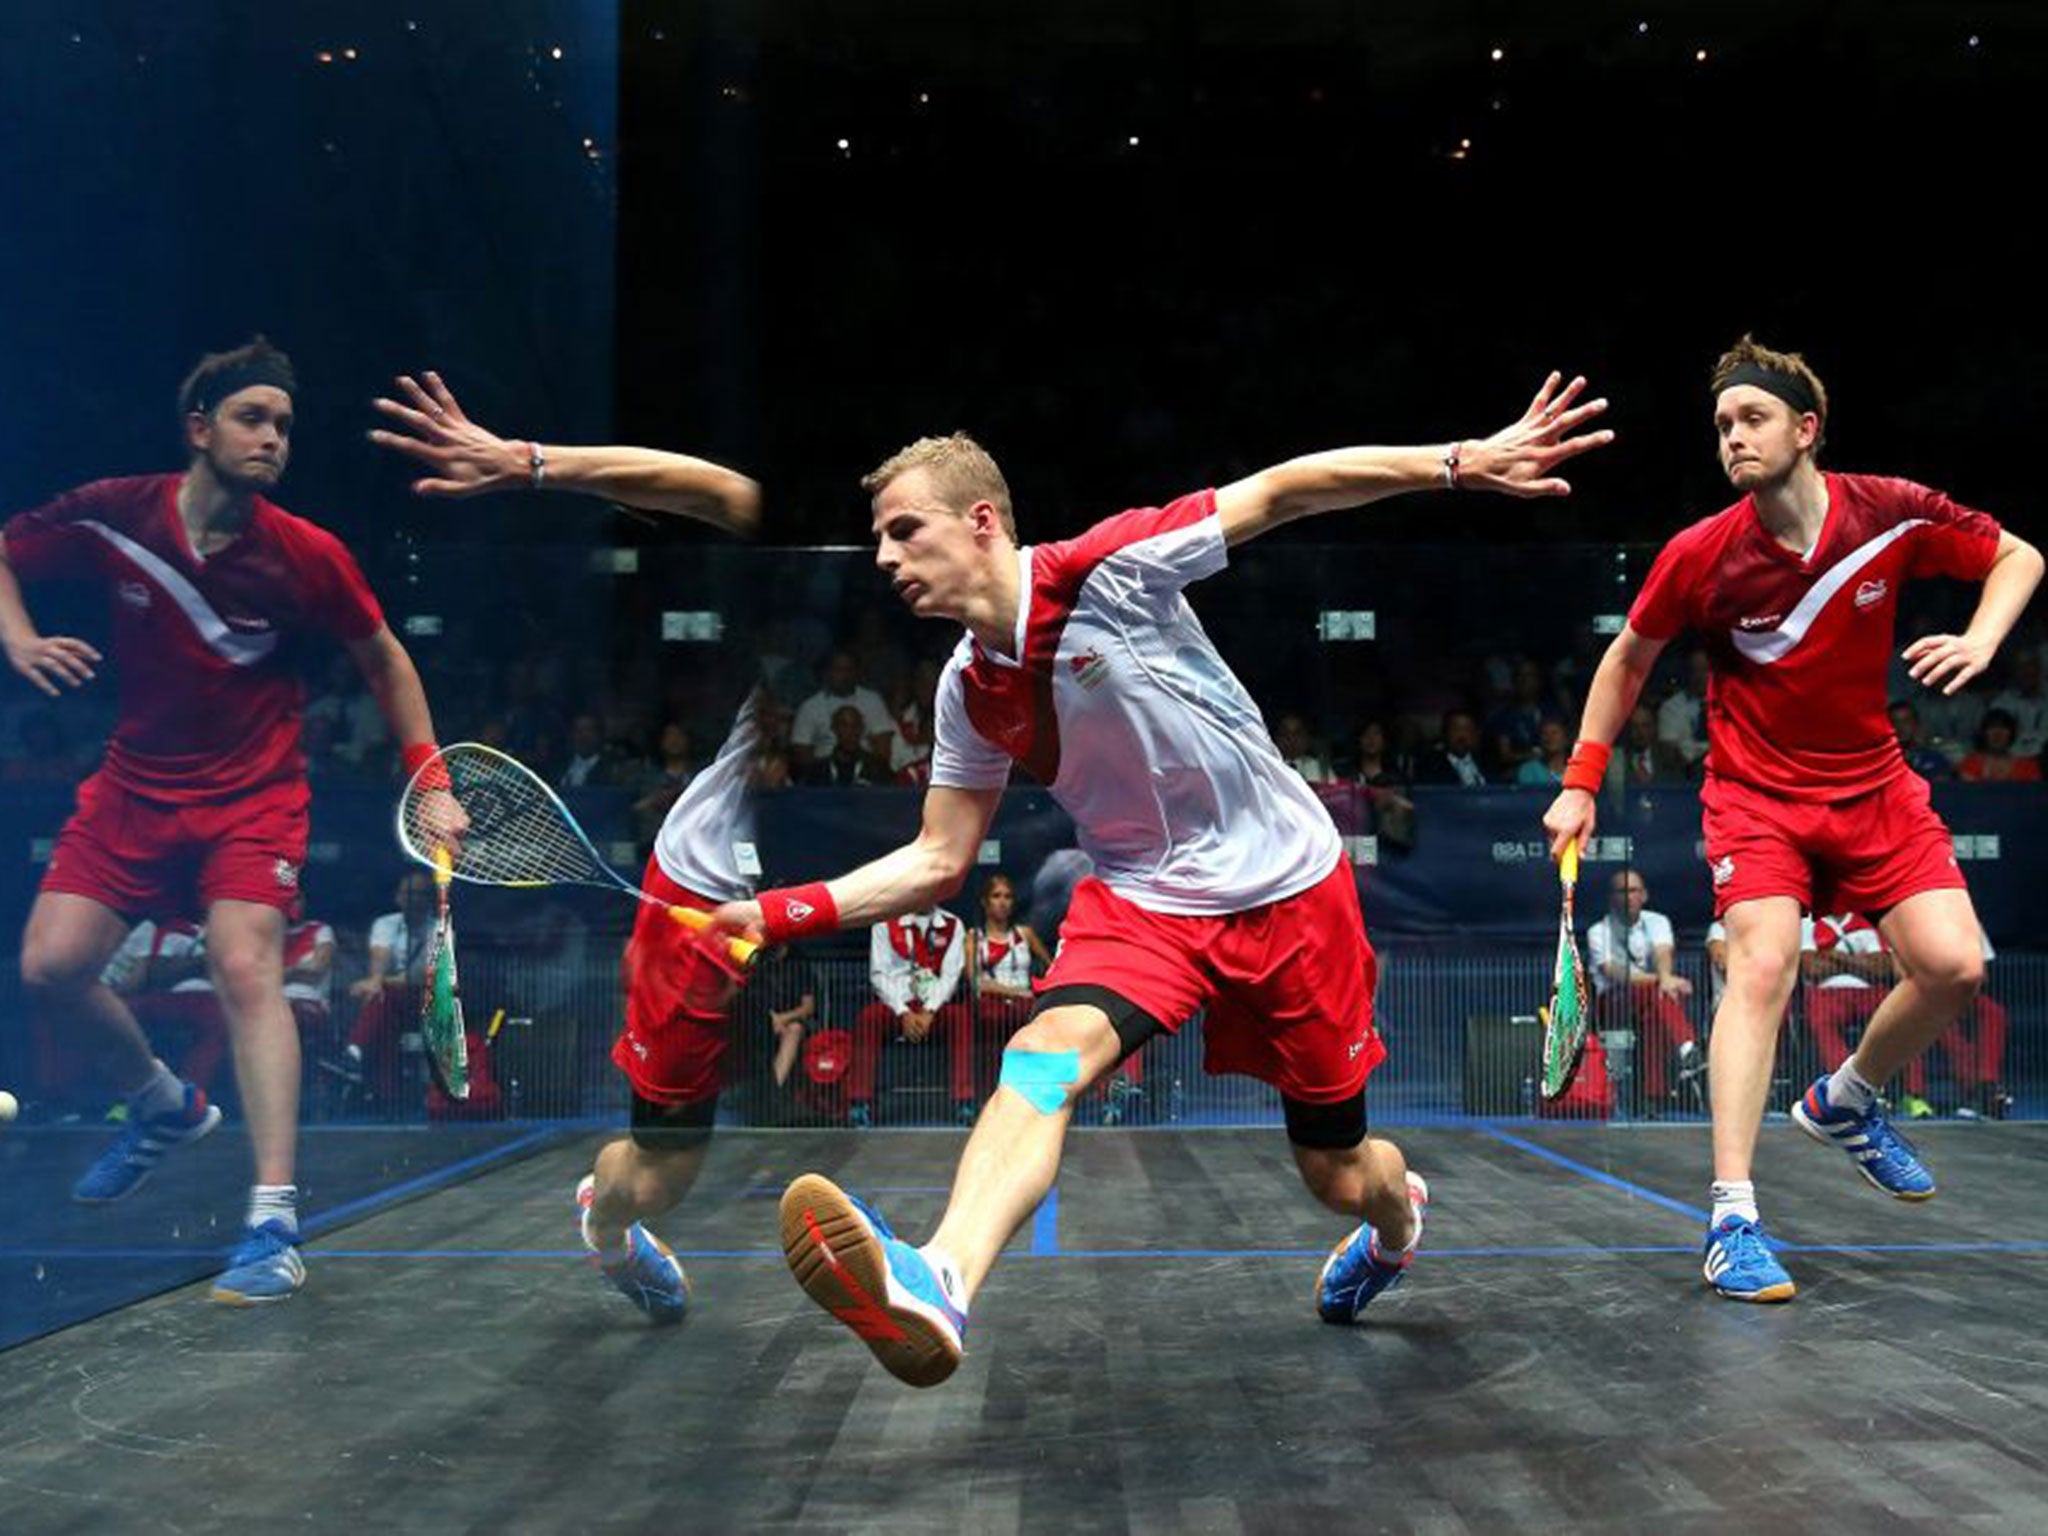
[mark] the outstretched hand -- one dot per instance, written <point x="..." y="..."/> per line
<point x="465" y="458"/>
<point x="1519" y="460"/>
<point x="48" y="660"/>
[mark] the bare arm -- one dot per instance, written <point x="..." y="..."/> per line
<point x="1516" y="461"/>
<point x="466" y="459"/>
<point x="927" y="870"/>
<point x="1951" y="661"/>
<point x="45" y="660"/>
<point x="1616" y="684"/>
<point x="394" y="682"/>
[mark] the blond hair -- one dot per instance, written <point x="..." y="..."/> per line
<point x="1753" y="353"/>
<point x="961" y="470"/>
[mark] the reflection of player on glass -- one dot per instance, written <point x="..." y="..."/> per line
<point x="1220" y="881"/>
<point x="1808" y="802"/>
<point x="678" y="990"/>
<point x="202" y="799"/>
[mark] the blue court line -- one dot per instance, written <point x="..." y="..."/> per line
<point x="1599" y="1176"/>
<point x="1555" y="1251"/>
<point x="1045" y="1226"/>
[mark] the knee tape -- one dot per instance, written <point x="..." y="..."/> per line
<point x="1042" y="1077"/>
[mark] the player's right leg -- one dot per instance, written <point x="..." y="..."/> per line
<point x="637" y="1179"/>
<point x="1763" y="966"/>
<point x="910" y="1304"/>
<point x="65" y="948"/>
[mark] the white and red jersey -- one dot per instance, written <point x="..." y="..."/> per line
<point x="701" y="838"/>
<point x="1116" y="701"/>
<point x="916" y="960"/>
<point x="1847" y="933"/>
<point x="1006" y="962"/>
<point x="302" y="945"/>
<point x="210" y="701"/>
<point x="1800" y="646"/>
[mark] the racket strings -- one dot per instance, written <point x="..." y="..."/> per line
<point x="519" y="833"/>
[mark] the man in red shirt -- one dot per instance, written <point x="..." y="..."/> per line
<point x="1808" y="802"/>
<point x="201" y="802"/>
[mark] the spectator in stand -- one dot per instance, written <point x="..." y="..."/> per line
<point x="910" y="749"/>
<point x="592" y="760"/>
<point x="1717" y="964"/>
<point x="850" y="762"/>
<point x="161" y="971"/>
<point x="1386" y="786"/>
<point x="309" y="977"/>
<point x="2027" y="703"/>
<point x="387" y="996"/>
<point x="1635" y="986"/>
<point x="664" y="781"/>
<point x="811" y="736"/>
<point x="1454" y="759"/>
<point x="1512" y="729"/>
<point x="1553" y="749"/>
<point x="770" y="771"/>
<point x="1975" y="1047"/>
<point x="1002" y="954"/>
<point x="784" y="989"/>
<point x="1845" y="969"/>
<point x="1682" y="718"/>
<point x="1920" y="757"/>
<point x="915" y="964"/>
<point x="1640" y="759"/>
<point x="357" y="732"/>
<point x="1994" y="761"/>
<point x="1298" y="749"/>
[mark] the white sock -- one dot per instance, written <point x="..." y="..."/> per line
<point x="1733" y="1197"/>
<point x="274" y="1202"/>
<point x="1848" y="1090"/>
<point x="948" y="1272"/>
<point x="163" y="1094"/>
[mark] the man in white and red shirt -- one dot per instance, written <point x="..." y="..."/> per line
<point x="200" y="804"/>
<point x="1220" y="882"/>
<point x="915" y="964"/>
<point x="1808" y="802"/>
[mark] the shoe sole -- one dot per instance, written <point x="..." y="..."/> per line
<point x="840" y="1263"/>
<point x="1769" y="1293"/>
<point x="200" y="1132"/>
<point x="1800" y="1119"/>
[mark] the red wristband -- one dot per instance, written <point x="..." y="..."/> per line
<point x="1587" y="766"/>
<point x="417" y="756"/>
<point x="798" y="912"/>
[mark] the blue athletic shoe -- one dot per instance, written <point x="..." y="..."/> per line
<point x="265" y="1266"/>
<point x="1884" y="1157"/>
<point x="1740" y="1264"/>
<point x="645" y="1271"/>
<point x="135" y="1153"/>
<point x="1356" y="1270"/>
<point x="849" y="1262"/>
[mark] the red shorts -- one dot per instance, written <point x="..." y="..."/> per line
<point x="678" y="999"/>
<point x="144" y="857"/>
<point x="1862" y="855"/>
<point x="1288" y="986"/>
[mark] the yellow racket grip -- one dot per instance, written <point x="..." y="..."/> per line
<point x="743" y="951"/>
<point x="1568" y="863"/>
<point x="444" y="866"/>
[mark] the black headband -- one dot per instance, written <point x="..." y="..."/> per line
<point x="1788" y="387"/>
<point x="273" y="370"/>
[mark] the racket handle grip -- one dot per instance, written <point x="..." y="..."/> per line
<point x="743" y="951"/>
<point x="1568" y="863"/>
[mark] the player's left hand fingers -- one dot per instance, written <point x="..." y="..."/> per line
<point x="1578" y="416"/>
<point x="432" y="487"/>
<point x="1923" y="645"/>
<point x="443" y="396"/>
<point x="1537" y="405"/>
<point x="406" y="416"/>
<point x="1572" y="447"/>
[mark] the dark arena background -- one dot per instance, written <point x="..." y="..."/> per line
<point x="1136" y="249"/>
